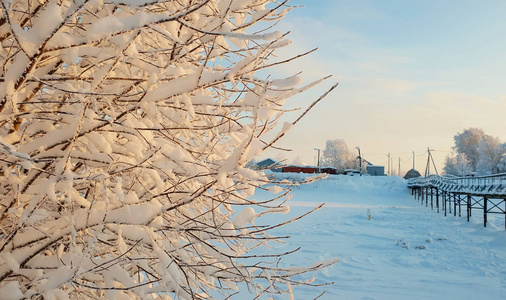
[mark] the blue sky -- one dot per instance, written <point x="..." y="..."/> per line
<point x="412" y="74"/>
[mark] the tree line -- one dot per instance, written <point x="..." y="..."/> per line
<point x="474" y="153"/>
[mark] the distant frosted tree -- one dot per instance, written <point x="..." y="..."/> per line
<point x="281" y="157"/>
<point x="476" y="152"/>
<point x="457" y="165"/>
<point x="125" y="128"/>
<point x="337" y="155"/>
<point x="501" y="166"/>
<point x="490" y="153"/>
<point x="467" y="143"/>
<point x="297" y="160"/>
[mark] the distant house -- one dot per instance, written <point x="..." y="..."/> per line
<point x="299" y="169"/>
<point x="271" y="164"/>
<point x="375" y="170"/>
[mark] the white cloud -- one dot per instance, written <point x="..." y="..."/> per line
<point x="388" y="99"/>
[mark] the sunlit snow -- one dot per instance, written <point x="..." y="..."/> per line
<point x="405" y="251"/>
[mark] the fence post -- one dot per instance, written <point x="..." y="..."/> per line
<point x="460" y="209"/>
<point x="444" y="202"/>
<point x="431" y="198"/>
<point x="450" y="196"/>
<point x="455" y="205"/>
<point x="468" y="206"/>
<point x="485" y="200"/>
<point x="437" y="200"/>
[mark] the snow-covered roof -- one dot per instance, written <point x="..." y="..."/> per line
<point x="302" y="166"/>
<point x="269" y="162"/>
<point x="412" y="174"/>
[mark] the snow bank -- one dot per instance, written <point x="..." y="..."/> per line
<point x="390" y="246"/>
<point x="343" y="184"/>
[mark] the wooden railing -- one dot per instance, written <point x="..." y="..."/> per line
<point x="487" y="193"/>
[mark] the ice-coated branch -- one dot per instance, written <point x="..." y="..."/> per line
<point x="126" y="128"/>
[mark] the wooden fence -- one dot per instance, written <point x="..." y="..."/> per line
<point x="450" y="194"/>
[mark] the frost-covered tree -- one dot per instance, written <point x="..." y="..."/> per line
<point x="490" y="153"/>
<point x="467" y="143"/>
<point x="337" y="155"/>
<point x="125" y="126"/>
<point x="298" y="161"/>
<point x="480" y="152"/>
<point x="501" y="166"/>
<point x="457" y="165"/>
<point x="281" y="158"/>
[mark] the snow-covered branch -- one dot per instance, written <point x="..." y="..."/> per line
<point x="125" y="129"/>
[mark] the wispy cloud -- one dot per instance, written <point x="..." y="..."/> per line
<point x="393" y="96"/>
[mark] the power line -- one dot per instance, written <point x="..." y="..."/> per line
<point x="408" y="159"/>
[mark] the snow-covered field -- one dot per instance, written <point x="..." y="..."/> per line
<point x="402" y="251"/>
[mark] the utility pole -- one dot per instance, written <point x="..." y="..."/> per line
<point x="400" y="167"/>
<point x="413" y="160"/>
<point x="359" y="160"/>
<point x="427" y="167"/>
<point x="429" y="159"/>
<point x="318" y="161"/>
<point x="388" y="164"/>
<point x="433" y="163"/>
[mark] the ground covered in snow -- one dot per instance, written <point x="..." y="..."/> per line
<point x="390" y="246"/>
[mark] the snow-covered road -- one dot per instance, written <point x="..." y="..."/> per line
<point x="404" y="251"/>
